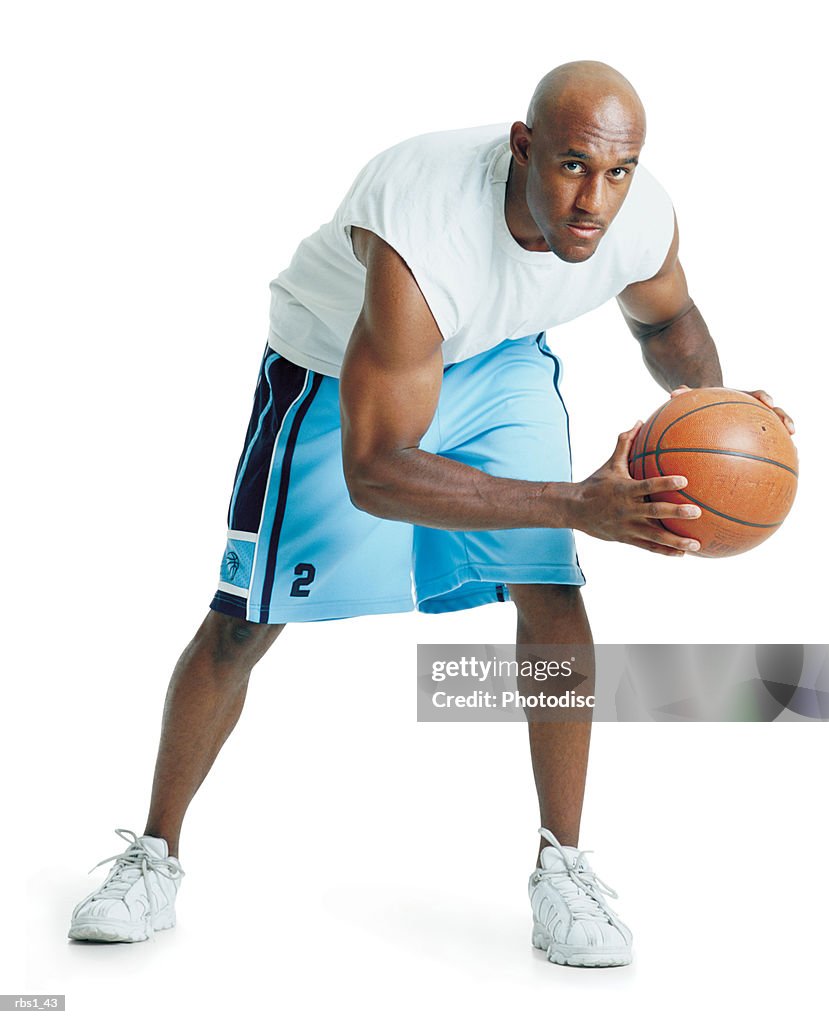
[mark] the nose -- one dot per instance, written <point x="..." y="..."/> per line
<point x="591" y="196"/>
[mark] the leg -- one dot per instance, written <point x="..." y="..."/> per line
<point x="204" y="701"/>
<point x="547" y="614"/>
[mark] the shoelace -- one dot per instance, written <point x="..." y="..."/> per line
<point x="136" y="857"/>
<point x="583" y="888"/>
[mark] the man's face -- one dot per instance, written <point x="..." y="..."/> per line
<point x="580" y="169"/>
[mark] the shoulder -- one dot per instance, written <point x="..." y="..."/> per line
<point x="454" y="146"/>
<point x="427" y="197"/>
<point x="434" y="170"/>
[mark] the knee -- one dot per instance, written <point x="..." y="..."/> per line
<point x="240" y="631"/>
<point x="550" y="613"/>
<point x="227" y="639"/>
<point x="544" y="599"/>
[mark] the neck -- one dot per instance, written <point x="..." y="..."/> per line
<point x="516" y="212"/>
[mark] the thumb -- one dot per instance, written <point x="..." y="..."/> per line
<point x="624" y="443"/>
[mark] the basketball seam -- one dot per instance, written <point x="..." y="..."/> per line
<point x="725" y="515"/>
<point x="717" y="451"/>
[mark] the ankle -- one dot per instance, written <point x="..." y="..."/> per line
<point x="160" y="833"/>
<point x="566" y="840"/>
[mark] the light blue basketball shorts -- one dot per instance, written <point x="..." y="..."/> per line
<point x="298" y="550"/>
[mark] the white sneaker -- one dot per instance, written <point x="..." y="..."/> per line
<point x="137" y="898"/>
<point x="572" y="922"/>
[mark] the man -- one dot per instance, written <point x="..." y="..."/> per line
<point x="407" y="423"/>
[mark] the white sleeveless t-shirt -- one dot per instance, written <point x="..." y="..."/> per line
<point x="438" y="200"/>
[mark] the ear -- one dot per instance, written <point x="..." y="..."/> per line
<point x="520" y="139"/>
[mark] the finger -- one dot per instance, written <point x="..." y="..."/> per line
<point x="657" y="484"/>
<point x="659" y="549"/>
<point x="764" y="397"/>
<point x="664" y="538"/>
<point x="624" y="443"/>
<point x="788" y="422"/>
<point x="667" y="510"/>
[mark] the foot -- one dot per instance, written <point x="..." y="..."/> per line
<point x="572" y="923"/>
<point x="137" y="898"/>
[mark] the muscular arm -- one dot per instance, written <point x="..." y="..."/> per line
<point x="389" y="387"/>
<point x="676" y="346"/>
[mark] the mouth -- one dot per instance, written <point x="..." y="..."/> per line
<point x="584" y="230"/>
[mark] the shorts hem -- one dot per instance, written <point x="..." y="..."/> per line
<point x="437" y="593"/>
<point x="230" y="604"/>
<point x="447" y="603"/>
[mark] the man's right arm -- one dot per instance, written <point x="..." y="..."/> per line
<point x="389" y="388"/>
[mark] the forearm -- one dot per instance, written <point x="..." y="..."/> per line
<point x="430" y="490"/>
<point x="682" y="352"/>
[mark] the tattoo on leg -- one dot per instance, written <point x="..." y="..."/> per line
<point x="241" y="633"/>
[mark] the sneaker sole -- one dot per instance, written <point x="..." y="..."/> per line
<point x="96" y="929"/>
<point x="580" y="956"/>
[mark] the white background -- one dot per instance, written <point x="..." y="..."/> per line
<point x="160" y="165"/>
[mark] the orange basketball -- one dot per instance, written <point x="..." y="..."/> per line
<point x="738" y="458"/>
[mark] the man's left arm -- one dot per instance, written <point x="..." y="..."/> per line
<point x="677" y="347"/>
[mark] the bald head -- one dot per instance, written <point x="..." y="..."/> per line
<point x="589" y="89"/>
<point x="573" y="161"/>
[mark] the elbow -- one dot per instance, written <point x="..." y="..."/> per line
<point x="361" y="481"/>
<point x="375" y="482"/>
<point x="360" y="496"/>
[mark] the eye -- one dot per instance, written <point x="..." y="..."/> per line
<point x="618" y="173"/>
<point x="573" y="165"/>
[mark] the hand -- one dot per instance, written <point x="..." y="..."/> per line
<point x="761" y="396"/>
<point x="611" y="505"/>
